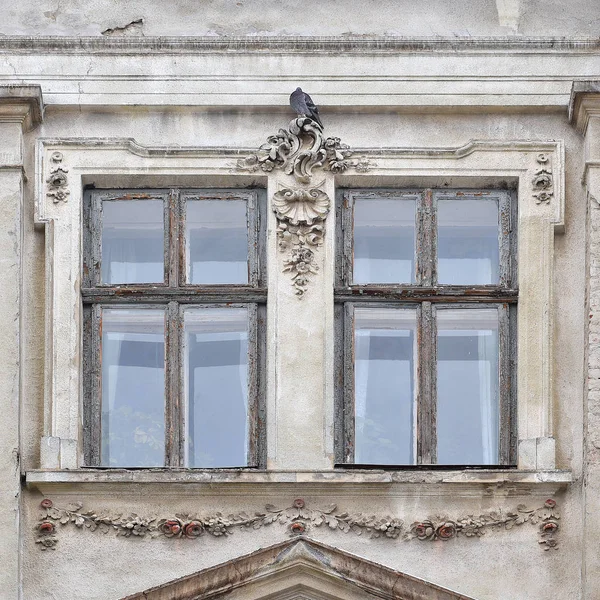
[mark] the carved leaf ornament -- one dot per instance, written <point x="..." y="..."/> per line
<point x="301" y="212"/>
<point x="297" y="519"/>
<point x="298" y="150"/>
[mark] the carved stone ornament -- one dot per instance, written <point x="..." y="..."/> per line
<point x="542" y="181"/>
<point x="57" y="180"/>
<point x="297" y="519"/>
<point x="301" y="217"/>
<point x="300" y="149"/>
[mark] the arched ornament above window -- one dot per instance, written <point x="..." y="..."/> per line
<point x="301" y="211"/>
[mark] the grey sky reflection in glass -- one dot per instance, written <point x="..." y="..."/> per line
<point x="133" y="388"/>
<point x="467" y="386"/>
<point x="133" y="241"/>
<point x="216" y="382"/>
<point x="468" y="241"/>
<point x="384" y="385"/>
<point x="217" y="241"/>
<point x="384" y="240"/>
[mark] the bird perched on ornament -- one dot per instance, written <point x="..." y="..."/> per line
<point x="303" y="105"/>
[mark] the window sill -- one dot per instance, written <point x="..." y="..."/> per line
<point x="472" y="482"/>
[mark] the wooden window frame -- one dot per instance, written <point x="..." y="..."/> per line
<point x="425" y="295"/>
<point x="174" y="295"/>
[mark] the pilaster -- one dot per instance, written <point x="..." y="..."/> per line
<point x="20" y="110"/>
<point x="584" y="113"/>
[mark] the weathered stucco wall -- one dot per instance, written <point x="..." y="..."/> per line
<point x="116" y="566"/>
<point x="289" y="18"/>
<point x="192" y="93"/>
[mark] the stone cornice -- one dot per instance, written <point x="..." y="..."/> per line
<point x="21" y="103"/>
<point x="292" y="44"/>
<point x="469" y="483"/>
<point x="584" y="103"/>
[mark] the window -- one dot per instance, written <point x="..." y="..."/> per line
<point x="425" y="306"/>
<point x="173" y="295"/>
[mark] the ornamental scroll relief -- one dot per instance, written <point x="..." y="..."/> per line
<point x="298" y="519"/>
<point x="301" y="217"/>
<point x="301" y="148"/>
<point x="301" y="211"/>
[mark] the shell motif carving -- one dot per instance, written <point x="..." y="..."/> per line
<point x="300" y="149"/>
<point x="297" y="519"/>
<point x="301" y="217"/>
<point x="301" y="205"/>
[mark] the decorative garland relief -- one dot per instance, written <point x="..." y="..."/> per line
<point x="298" y="519"/>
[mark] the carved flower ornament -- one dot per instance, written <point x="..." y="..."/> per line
<point x="298" y="519"/>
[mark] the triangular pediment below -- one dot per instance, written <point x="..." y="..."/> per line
<point x="299" y="569"/>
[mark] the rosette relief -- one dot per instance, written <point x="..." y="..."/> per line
<point x="57" y="179"/>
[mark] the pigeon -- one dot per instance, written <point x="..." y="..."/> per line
<point x="303" y="105"/>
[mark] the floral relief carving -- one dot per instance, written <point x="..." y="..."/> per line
<point x="57" y="180"/>
<point x="542" y="181"/>
<point x="298" y="519"/>
<point x="299" y="149"/>
<point x="301" y="217"/>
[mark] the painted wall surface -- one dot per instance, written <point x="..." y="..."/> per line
<point x="194" y="95"/>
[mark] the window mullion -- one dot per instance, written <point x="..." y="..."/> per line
<point x="504" y="209"/>
<point x="427" y="377"/>
<point x="253" y="224"/>
<point x="173" y="412"/>
<point x="425" y="238"/>
<point x="505" y="450"/>
<point x="253" y="393"/>
<point x="349" y="391"/>
<point x="172" y="246"/>
<point x="346" y="223"/>
<point x="92" y="420"/>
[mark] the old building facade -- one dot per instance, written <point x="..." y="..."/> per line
<point x="247" y="356"/>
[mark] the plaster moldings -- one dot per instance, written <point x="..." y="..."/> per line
<point x="123" y="162"/>
<point x="542" y="180"/>
<point x="299" y="569"/>
<point x="301" y="217"/>
<point x="58" y="179"/>
<point x="298" y="519"/>
<point x="298" y="150"/>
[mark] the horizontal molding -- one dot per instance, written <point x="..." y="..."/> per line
<point x="292" y="44"/>
<point x="173" y="482"/>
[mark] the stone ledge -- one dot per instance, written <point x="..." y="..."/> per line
<point x="293" y="44"/>
<point x="471" y="482"/>
<point x="22" y="103"/>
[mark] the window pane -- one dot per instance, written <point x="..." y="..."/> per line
<point x="384" y="385"/>
<point x="384" y="240"/>
<point x="217" y="241"/>
<point x="216" y="363"/>
<point x="132" y="241"/>
<point x="133" y="388"/>
<point x="467" y="387"/>
<point x="468" y="248"/>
